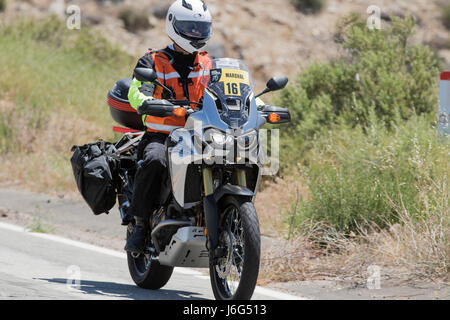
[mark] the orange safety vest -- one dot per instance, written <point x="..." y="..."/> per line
<point x="168" y="76"/>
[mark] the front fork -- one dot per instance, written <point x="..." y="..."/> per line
<point x="211" y="210"/>
<point x="208" y="183"/>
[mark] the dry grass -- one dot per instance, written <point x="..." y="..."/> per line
<point x="42" y="163"/>
<point x="287" y="260"/>
<point x="412" y="250"/>
<point x="273" y="200"/>
<point x="409" y="250"/>
<point x="411" y="247"/>
<point x="53" y="96"/>
<point x="406" y="233"/>
<point x="39" y="159"/>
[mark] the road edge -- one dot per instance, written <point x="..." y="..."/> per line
<point x="79" y="244"/>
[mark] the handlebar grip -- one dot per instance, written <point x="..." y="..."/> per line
<point x="186" y="103"/>
<point x="180" y="102"/>
<point x="157" y="108"/>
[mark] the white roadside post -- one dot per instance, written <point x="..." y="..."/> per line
<point x="444" y="105"/>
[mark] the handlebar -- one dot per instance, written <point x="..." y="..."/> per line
<point x="166" y="108"/>
<point x="182" y="102"/>
<point x="182" y="108"/>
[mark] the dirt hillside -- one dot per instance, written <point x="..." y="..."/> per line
<point x="272" y="36"/>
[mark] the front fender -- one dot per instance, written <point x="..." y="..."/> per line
<point x="227" y="189"/>
<point x="210" y="205"/>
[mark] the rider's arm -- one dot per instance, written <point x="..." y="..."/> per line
<point x="141" y="91"/>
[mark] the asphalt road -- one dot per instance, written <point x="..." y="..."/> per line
<point x="35" y="266"/>
<point x="42" y="266"/>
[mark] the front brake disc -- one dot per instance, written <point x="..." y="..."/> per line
<point x="223" y="269"/>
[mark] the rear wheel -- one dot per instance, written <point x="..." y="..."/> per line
<point x="146" y="272"/>
<point x="234" y="276"/>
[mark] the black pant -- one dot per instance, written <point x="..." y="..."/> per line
<point x="148" y="179"/>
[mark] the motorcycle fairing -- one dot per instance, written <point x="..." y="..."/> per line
<point x="187" y="144"/>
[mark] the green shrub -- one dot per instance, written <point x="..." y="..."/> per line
<point x="356" y="177"/>
<point x="54" y="83"/>
<point x="309" y="6"/>
<point x="2" y="5"/>
<point x="362" y="130"/>
<point x="46" y="68"/>
<point x="134" y="19"/>
<point x="446" y="16"/>
<point x="80" y="44"/>
<point x="380" y="74"/>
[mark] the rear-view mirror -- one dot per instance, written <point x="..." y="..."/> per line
<point x="274" y="84"/>
<point x="277" y="83"/>
<point x="145" y="74"/>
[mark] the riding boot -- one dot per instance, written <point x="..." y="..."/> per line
<point x="136" y="241"/>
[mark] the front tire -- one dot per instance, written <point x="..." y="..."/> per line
<point x="234" y="276"/>
<point x="147" y="273"/>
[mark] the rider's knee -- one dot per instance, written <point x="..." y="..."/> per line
<point x="153" y="163"/>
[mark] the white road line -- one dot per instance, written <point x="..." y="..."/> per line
<point x="278" y="294"/>
<point x="122" y="255"/>
<point x="188" y="271"/>
<point x="66" y="241"/>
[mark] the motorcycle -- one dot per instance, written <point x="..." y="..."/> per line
<point x="206" y="217"/>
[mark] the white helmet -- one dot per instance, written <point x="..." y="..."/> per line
<point x="188" y="24"/>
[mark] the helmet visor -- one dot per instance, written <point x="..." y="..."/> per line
<point x="193" y="30"/>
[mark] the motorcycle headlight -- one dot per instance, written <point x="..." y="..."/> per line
<point x="217" y="138"/>
<point x="248" y="140"/>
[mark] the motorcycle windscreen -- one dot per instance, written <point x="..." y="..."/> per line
<point x="231" y="82"/>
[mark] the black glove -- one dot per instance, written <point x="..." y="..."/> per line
<point x="156" y="107"/>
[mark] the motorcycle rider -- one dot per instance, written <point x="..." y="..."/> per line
<point x="180" y="67"/>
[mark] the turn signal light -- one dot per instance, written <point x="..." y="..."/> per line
<point x="273" y="118"/>
<point x="179" y="112"/>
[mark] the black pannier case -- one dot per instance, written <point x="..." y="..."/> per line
<point x="95" y="169"/>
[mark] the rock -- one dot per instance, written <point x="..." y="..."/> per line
<point x="109" y="2"/>
<point x="135" y="19"/>
<point x="439" y="42"/>
<point x="237" y="47"/>
<point x="332" y="9"/>
<point x="278" y="21"/>
<point x="216" y="50"/>
<point x="3" y="213"/>
<point x="249" y="10"/>
<point x="160" y="12"/>
<point x="90" y="20"/>
<point x="387" y="16"/>
<point x="58" y="7"/>
<point x="316" y="33"/>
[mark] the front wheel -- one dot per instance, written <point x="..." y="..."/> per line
<point x="146" y="272"/>
<point x="234" y="276"/>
